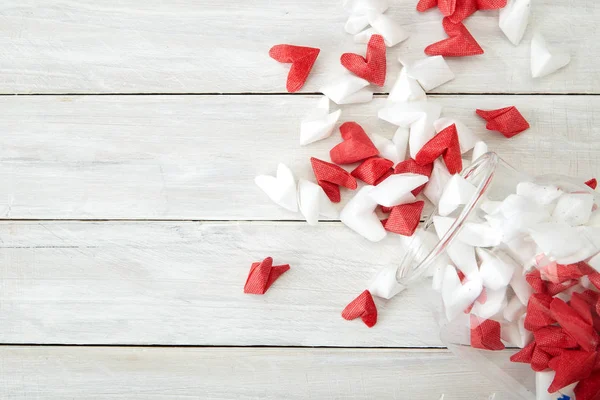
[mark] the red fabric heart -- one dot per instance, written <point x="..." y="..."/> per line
<point x="424" y="5"/>
<point x="554" y="336"/>
<point x="571" y="366"/>
<point x="262" y="275"/>
<point x="579" y="303"/>
<point x="302" y="59"/>
<point x="356" y="145"/>
<point x="444" y="144"/>
<point x="411" y="166"/>
<point x="485" y="334"/>
<point x="490" y="4"/>
<point x="555" y="288"/>
<point x="364" y="307"/>
<point x="588" y="388"/>
<point x="373" y="170"/>
<point x="330" y="177"/>
<point x="447" y="7"/>
<point x="535" y="281"/>
<point x="574" y="325"/>
<point x="525" y="355"/>
<point x="559" y="273"/>
<point x="373" y="67"/>
<point x="463" y="9"/>
<point x="386" y="210"/>
<point x="592" y="183"/>
<point x="404" y="218"/>
<point x="595" y="279"/>
<point x="538" y="312"/>
<point x="540" y="359"/>
<point x="460" y="43"/>
<point x="507" y="121"/>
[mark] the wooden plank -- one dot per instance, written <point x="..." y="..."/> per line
<point x="195" y="157"/>
<point x="57" y="373"/>
<point x="181" y="283"/>
<point x="203" y="46"/>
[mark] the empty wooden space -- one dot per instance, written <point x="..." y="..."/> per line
<point x="129" y="217"/>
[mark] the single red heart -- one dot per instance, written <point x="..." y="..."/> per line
<point x="302" y="59"/>
<point x="373" y="170"/>
<point x="463" y="9"/>
<point x="485" y="334"/>
<point x="262" y="275"/>
<point x="507" y="120"/>
<point x="411" y="166"/>
<point x="538" y="312"/>
<point x="571" y="366"/>
<point x="356" y="145"/>
<point x="460" y="43"/>
<point x="364" y="307"/>
<point x="330" y="177"/>
<point x="444" y="144"/>
<point x="404" y="218"/>
<point x="592" y="183"/>
<point x="373" y="67"/>
<point x="447" y="7"/>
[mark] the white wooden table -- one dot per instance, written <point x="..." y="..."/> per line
<point x="130" y="217"/>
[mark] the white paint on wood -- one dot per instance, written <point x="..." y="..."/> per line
<point x="205" y="46"/>
<point x="195" y="157"/>
<point x="182" y="283"/>
<point x="94" y="373"/>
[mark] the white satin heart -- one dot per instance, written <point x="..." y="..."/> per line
<point x="359" y="215"/>
<point x="348" y="89"/>
<point x="545" y="60"/>
<point x="496" y="271"/>
<point x="313" y="202"/>
<point x="395" y="149"/>
<point x="430" y="72"/>
<point x="396" y="189"/>
<point x="457" y="192"/>
<point x="406" y="89"/>
<point x="281" y="188"/>
<point x="383" y="25"/>
<point x="384" y="284"/>
<point x="457" y="296"/>
<point x="513" y="19"/>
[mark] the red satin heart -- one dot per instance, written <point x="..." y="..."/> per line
<point x="538" y="312"/>
<point x="507" y="121"/>
<point x="262" y="275"/>
<point x="373" y="170"/>
<point x="373" y="67"/>
<point x="588" y="388"/>
<point x="356" y="145"/>
<point x="592" y="183"/>
<point x="302" y="59"/>
<point x="411" y="166"/>
<point x="404" y="218"/>
<point x="571" y="366"/>
<point x="444" y="144"/>
<point x="460" y="43"/>
<point x="364" y="307"/>
<point x="580" y="330"/>
<point x="485" y="334"/>
<point x="330" y="177"/>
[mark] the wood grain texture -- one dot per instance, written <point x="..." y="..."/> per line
<point x="195" y="157"/>
<point x="206" y="46"/>
<point x="57" y="373"/>
<point x="182" y="283"/>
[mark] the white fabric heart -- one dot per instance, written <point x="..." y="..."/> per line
<point x="515" y="333"/>
<point x="348" y="89"/>
<point x="457" y="296"/>
<point x="495" y="302"/>
<point x="479" y="149"/>
<point x="457" y="192"/>
<point x="545" y="60"/>
<point x="406" y="89"/>
<point x="430" y="72"/>
<point x="359" y="215"/>
<point x="574" y="208"/>
<point x="395" y="149"/>
<point x="514" y="309"/>
<point x="383" y="25"/>
<point x="496" y="271"/>
<point x="437" y="182"/>
<point x="418" y="116"/>
<point x="396" y="189"/>
<point x="281" y="189"/>
<point x="384" y="284"/>
<point x="319" y="123"/>
<point x="513" y="19"/>
<point x="313" y="202"/>
<point x="466" y="137"/>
